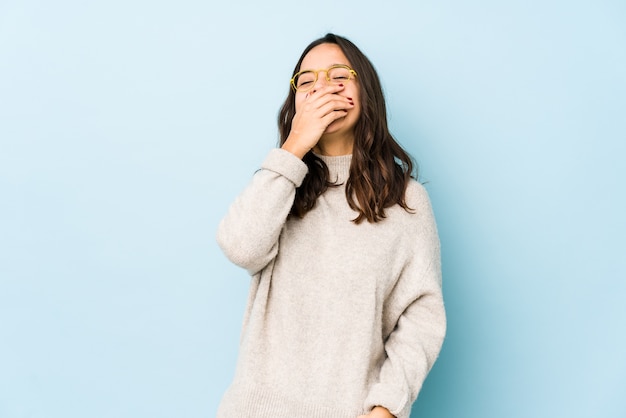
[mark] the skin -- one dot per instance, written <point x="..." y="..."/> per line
<point x="378" y="412"/>
<point x="324" y="122"/>
<point x="326" y="115"/>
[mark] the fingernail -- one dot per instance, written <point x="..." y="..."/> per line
<point x="340" y="85"/>
<point x="349" y="98"/>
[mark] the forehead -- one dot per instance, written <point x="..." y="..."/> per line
<point x="323" y="56"/>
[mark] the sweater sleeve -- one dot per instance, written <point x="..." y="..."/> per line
<point x="248" y="234"/>
<point x="417" y="322"/>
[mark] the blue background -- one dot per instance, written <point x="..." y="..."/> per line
<point x="128" y="127"/>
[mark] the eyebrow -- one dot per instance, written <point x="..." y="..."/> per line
<point x="332" y="65"/>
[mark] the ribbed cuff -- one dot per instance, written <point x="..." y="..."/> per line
<point x="286" y="164"/>
<point x="397" y="402"/>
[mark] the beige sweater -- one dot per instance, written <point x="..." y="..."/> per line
<point x="340" y="317"/>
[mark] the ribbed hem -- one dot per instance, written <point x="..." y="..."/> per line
<point x="261" y="403"/>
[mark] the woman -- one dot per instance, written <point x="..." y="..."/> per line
<point x="345" y="315"/>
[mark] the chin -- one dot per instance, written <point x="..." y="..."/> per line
<point x="332" y="128"/>
<point x="336" y="126"/>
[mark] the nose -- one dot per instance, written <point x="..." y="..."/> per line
<point x="321" y="80"/>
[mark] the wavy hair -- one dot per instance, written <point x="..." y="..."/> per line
<point x="380" y="169"/>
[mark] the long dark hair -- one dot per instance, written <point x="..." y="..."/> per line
<point x="380" y="169"/>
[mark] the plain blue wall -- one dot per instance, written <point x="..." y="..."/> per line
<point x="127" y="128"/>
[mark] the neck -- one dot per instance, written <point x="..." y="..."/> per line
<point x="338" y="167"/>
<point x="333" y="146"/>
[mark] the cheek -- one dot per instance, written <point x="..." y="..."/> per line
<point x="299" y="100"/>
<point x="356" y="97"/>
<point x="354" y="93"/>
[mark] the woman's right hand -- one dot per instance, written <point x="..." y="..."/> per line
<point x="314" y="113"/>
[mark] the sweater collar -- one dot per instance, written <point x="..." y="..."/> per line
<point x="338" y="167"/>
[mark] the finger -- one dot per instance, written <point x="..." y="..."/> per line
<point x="335" y="105"/>
<point x="333" y="116"/>
<point x="330" y="102"/>
<point x="329" y="88"/>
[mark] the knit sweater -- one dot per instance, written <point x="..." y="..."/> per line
<point x="341" y="317"/>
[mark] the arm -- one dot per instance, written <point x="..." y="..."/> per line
<point x="378" y="412"/>
<point x="416" y="321"/>
<point x="249" y="232"/>
<point x="411" y="349"/>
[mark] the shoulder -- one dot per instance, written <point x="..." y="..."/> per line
<point x="416" y="197"/>
<point x="419" y="219"/>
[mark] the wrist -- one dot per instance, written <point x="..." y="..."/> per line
<point x="293" y="147"/>
<point x="381" y="412"/>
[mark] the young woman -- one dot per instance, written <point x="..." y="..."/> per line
<point x="345" y="315"/>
